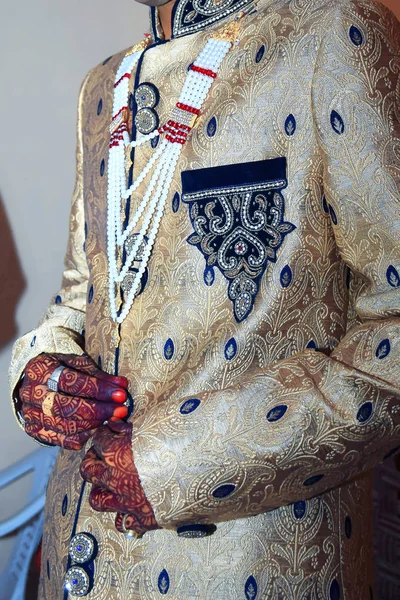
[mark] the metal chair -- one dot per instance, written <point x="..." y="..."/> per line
<point x="28" y="522"/>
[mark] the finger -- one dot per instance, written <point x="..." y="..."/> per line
<point x="72" y="407"/>
<point x="47" y="436"/>
<point x="85" y="364"/>
<point x="39" y="369"/>
<point x="95" y="471"/>
<point x="130" y="522"/>
<point x="76" y="383"/>
<point x="104" y="500"/>
<point x="33" y="414"/>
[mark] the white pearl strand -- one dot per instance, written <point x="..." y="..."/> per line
<point x="164" y="161"/>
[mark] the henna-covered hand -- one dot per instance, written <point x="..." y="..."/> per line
<point x="86" y="398"/>
<point x="109" y="466"/>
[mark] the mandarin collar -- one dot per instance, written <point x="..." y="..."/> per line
<point x="191" y="16"/>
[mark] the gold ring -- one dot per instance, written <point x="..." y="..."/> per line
<point x="47" y="405"/>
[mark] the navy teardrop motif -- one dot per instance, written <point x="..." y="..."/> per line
<point x="393" y="276"/>
<point x="251" y="588"/>
<point x="163" y="582"/>
<point x="33" y="342"/>
<point x="286" y="276"/>
<point x="176" y="200"/>
<point x="364" y="412"/>
<point x="58" y="300"/>
<point x="333" y="215"/>
<point x="102" y="167"/>
<point x="334" y="592"/>
<point x="230" y="350"/>
<point x="348" y="527"/>
<point x="313" y="480"/>
<point x="212" y="127"/>
<point x="356" y="36"/>
<point x="169" y="349"/>
<point x="223" y="491"/>
<point x="311" y="344"/>
<point x="209" y="276"/>
<point x="348" y="277"/>
<point x="325" y="204"/>
<point x="337" y="123"/>
<point x="100" y="107"/>
<point x="64" y="506"/>
<point x="290" y="125"/>
<point x="383" y="350"/>
<point x="107" y="60"/>
<point x="48" y="569"/>
<point x="91" y="292"/>
<point x="189" y="406"/>
<point x="99" y="362"/>
<point x="154" y="141"/>
<point x="260" y="53"/>
<point x="299" y="509"/>
<point x="276" y="413"/>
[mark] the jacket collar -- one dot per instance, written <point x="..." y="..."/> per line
<point x="190" y="16"/>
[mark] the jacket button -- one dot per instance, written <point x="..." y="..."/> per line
<point x="195" y="530"/>
<point x="82" y="548"/>
<point x="77" y="581"/>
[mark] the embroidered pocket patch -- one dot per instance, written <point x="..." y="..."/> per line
<point x="237" y="214"/>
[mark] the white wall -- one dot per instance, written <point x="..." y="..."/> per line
<point x="46" y="48"/>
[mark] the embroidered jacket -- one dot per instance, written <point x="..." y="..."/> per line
<point x="263" y="350"/>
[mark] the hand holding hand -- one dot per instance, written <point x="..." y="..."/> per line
<point x="110" y="468"/>
<point x="86" y="397"/>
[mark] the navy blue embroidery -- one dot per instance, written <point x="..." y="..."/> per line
<point x="83" y="332"/>
<point x="100" y="107"/>
<point x="348" y="527"/>
<point x="64" y="506"/>
<point x="131" y="103"/>
<point x="230" y="350"/>
<point x="169" y="349"/>
<point x="107" y="60"/>
<point x="223" y="491"/>
<point x="102" y="167"/>
<point x="251" y="588"/>
<point x="348" y="277"/>
<point x="334" y="592"/>
<point x="163" y="582"/>
<point x="337" y="123"/>
<point x="48" y="569"/>
<point x="86" y="229"/>
<point x="290" y="125"/>
<point x="189" y="406"/>
<point x="333" y="215"/>
<point x="393" y="276"/>
<point x="260" y="53"/>
<point x="299" y="509"/>
<point x="313" y="480"/>
<point x="383" y="349"/>
<point x="311" y="344"/>
<point x="391" y="453"/>
<point x="286" y="276"/>
<point x="239" y="224"/>
<point x="209" y="276"/>
<point x="356" y="36"/>
<point x="176" y="200"/>
<point x="99" y="362"/>
<point x="276" y="413"/>
<point x="91" y="292"/>
<point x="33" y="342"/>
<point x="154" y="141"/>
<point x="58" y="299"/>
<point x="325" y="204"/>
<point x="212" y="127"/>
<point x="364" y="412"/>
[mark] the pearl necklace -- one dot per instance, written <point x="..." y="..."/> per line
<point x="162" y="164"/>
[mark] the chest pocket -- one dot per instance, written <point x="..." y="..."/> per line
<point x="237" y="214"/>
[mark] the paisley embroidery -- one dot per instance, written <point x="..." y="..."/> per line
<point x="356" y="36"/>
<point x="251" y="588"/>
<point x="290" y="125"/>
<point x="239" y="225"/>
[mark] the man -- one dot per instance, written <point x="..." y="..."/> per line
<point x="234" y="265"/>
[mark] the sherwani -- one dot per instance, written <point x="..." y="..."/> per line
<point x="263" y="349"/>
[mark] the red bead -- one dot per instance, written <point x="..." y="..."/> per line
<point x="207" y="72"/>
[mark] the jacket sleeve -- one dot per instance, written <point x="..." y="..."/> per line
<point x="61" y="328"/>
<point x="311" y="422"/>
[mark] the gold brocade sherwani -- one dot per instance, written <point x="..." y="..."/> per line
<point x="263" y="350"/>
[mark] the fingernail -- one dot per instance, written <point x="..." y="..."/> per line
<point x="119" y="396"/>
<point x="121" y="381"/>
<point x="120" y="412"/>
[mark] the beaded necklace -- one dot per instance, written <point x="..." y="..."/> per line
<point x="162" y="164"/>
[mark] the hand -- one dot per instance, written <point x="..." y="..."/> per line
<point x="110" y="468"/>
<point x="86" y="398"/>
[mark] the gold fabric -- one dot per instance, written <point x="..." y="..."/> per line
<point x="317" y="83"/>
